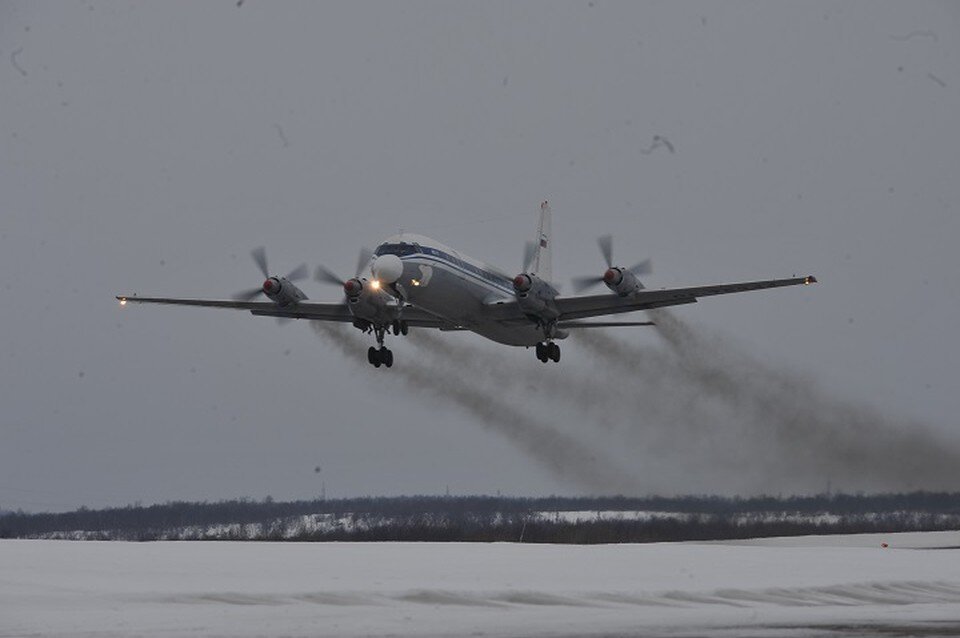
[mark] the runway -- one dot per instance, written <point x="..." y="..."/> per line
<point x="805" y="586"/>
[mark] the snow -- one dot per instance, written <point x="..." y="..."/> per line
<point x="761" y="587"/>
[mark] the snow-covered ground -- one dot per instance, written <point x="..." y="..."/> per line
<point x="792" y="587"/>
<point x="295" y="527"/>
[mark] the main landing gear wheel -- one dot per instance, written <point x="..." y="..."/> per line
<point x="380" y="357"/>
<point x="548" y="351"/>
<point x="400" y="327"/>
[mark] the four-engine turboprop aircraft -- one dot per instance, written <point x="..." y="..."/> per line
<point x="415" y="281"/>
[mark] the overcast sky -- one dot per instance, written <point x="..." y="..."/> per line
<point x="147" y="147"/>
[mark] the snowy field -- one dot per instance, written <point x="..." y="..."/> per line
<point x="804" y="586"/>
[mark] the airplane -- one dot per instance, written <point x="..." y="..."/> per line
<point x="415" y="281"/>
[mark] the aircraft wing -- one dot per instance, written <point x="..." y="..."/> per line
<point x="582" y="307"/>
<point x="315" y="310"/>
<point x="608" y="304"/>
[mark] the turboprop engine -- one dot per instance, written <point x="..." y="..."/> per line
<point x="281" y="291"/>
<point x="368" y="299"/>
<point x="621" y="281"/>
<point x="535" y="297"/>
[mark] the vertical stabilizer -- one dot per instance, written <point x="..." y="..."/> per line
<point x="542" y="257"/>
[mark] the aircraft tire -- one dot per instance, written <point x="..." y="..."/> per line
<point x="543" y="352"/>
<point x="373" y="357"/>
<point x="387" y="356"/>
<point x="404" y="328"/>
<point x="554" y="352"/>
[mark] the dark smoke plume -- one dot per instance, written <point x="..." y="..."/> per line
<point x="788" y="433"/>
<point x="699" y="416"/>
<point x="556" y="451"/>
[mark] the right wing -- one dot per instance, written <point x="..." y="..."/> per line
<point x="582" y="307"/>
<point x="608" y="304"/>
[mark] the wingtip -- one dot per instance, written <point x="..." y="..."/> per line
<point x="809" y="279"/>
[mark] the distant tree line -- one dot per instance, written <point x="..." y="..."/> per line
<point x="488" y="518"/>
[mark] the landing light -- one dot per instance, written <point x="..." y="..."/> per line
<point x="414" y="282"/>
<point x="123" y="302"/>
<point x="375" y="284"/>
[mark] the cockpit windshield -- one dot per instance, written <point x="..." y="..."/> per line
<point x="400" y="249"/>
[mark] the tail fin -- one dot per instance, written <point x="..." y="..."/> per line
<point x="542" y="257"/>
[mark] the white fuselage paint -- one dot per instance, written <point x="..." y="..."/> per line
<point x="455" y="287"/>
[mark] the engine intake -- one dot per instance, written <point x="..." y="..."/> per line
<point x="522" y="283"/>
<point x="353" y="287"/>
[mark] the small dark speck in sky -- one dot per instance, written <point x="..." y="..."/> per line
<point x="927" y="33"/>
<point x="658" y="141"/>
<point x="13" y="61"/>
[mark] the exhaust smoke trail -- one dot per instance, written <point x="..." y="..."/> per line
<point x="556" y="451"/>
<point x="608" y="404"/>
<point x="700" y="416"/>
<point x="790" y="434"/>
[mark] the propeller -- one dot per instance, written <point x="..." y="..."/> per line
<point x="259" y="255"/>
<point x="529" y="252"/>
<point x="605" y="242"/>
<point x="327" y="276"/>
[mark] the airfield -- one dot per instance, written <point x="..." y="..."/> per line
<point x="855" y="585"/>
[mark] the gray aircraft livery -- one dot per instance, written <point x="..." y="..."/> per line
<point x="414" y="281"/>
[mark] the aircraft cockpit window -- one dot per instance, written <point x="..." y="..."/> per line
<point x="400" y="249"/>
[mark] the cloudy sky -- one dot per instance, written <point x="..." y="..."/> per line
<point x="147" y="147"/>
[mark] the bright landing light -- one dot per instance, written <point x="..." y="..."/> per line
<point x="375" y="284"/>
<point x="123" y="302"/>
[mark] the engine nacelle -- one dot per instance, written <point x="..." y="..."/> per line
<point x="621" y="281"/>
<point x="353" y="288"/>
<point x="367" y="301"/>
<point x="281" y="291"/>
<point x="535" y="296"/>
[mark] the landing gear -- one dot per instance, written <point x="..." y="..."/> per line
<point x="381" y="356"/>
<point x="400" y="327"/>
<point x="547" y="351"/>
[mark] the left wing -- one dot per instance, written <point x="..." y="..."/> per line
<point x="315" y="310"/>
<point x="609" y="304"/>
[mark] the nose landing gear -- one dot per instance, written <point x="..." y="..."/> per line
<point x="547" y="351"/>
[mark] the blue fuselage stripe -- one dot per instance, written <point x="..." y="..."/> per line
<point x="463" y="271"/>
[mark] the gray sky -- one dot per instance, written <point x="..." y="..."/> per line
<point x="147" y="147"/>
